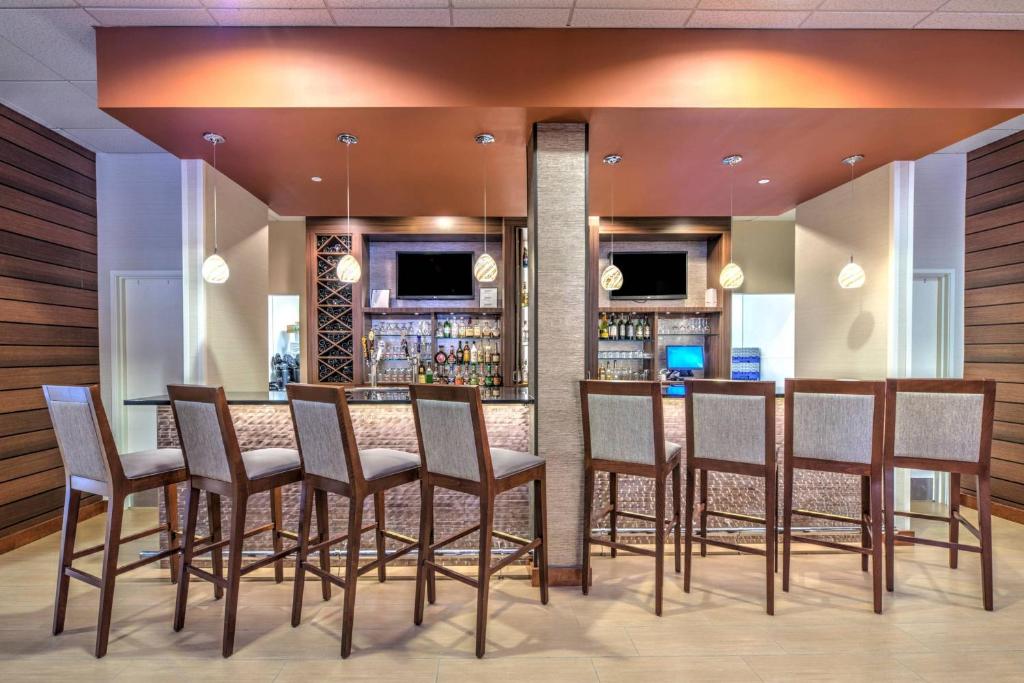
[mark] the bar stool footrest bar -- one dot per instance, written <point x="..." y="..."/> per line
<point x="451" y="574"/>
<point x="147" y="560"/>
<point x="829" y="516"/>
<point x="387" y="558"/>
<point x="623" y="547"/>
<point x="967" y="525"/>
<point x="831" y="544"/>
<point x="509" y="559"/>
<point x="511" y="538"/>
<point x="85" y="577"/>
<point x="725" y="544"/>
<point x="736" y="516"/>
<point x="452" y="539"/>
<point x="313" y="569"/>
<point x="269" y="559"/>
<point x="126" y="539"/>
<point x="207" y="576"/>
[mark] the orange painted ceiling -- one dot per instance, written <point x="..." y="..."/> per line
<point x="799" y="104"/>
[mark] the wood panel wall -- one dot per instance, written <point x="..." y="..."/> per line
<point x="994" y="304"/>
<point x="48" y="314"/>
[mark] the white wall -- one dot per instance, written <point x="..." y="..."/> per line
<point x="764" y="249"/>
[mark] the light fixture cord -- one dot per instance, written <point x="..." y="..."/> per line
<point x="611" y="226"/>
<point x="214" y="142"/>
<point x="485" y="198"/>
<point x="732" y="210"/>
<point x="853" y="195"/>
<point x="348" y="195"/>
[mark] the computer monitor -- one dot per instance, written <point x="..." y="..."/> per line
<point x="684" y="358"/>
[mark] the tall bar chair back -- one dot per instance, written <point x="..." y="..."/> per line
<point x="624" y="434"/>
<point x="218" y="466"/>
<point x="943" y="425"/>
<point x="92" y="465"/>
<point x="730" y="427"/>
<point x="456" y="455"/>
<point x="333" y="463"/>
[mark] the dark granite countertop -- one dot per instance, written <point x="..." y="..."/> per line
<point x="356" y="396"/>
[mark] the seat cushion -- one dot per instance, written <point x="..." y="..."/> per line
<point x="507" y="463"/>
<point x="671" y="449"/>
<point x="264" y="462"/>
<point x="156" y="461"/>
<point x="382" y="462"/>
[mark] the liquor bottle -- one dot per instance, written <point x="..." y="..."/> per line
<point x="647" y="328"/>
<point x="497" y="376"/>
<point x="496" y="356"/>
<point x="458" y="353"/>
<point x="629" y="329"/>
<point x="602" y="326"/>
<point x="472" y="376"/>
<point x="447" y="328"/>
<point x="458" y="376"/>
<point x="430" y="373"/>
<point x="449" y="357"/>
<point x="613" y="328"/>
<point x="488" y="378"/>
<point x="474" y="354"/>
<point x="440" y="357"/>
<point x="476" y="329"/>
<point x="465" y="354"/>
<point x="622" y="327"/>
<point x="524" y="297"/>
<point x="421" y="375"/>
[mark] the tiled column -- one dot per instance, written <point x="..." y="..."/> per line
<point x="557" y="177"/>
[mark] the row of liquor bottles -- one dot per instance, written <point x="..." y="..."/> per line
<point x="619" y="326"/>
<point x="462" y="328"/>
<point x="471" y="374"/>
<point x="467" y="353"/>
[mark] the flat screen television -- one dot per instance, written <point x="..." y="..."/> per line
<point x="651" y="275"/>
<point x="434" y="275"/>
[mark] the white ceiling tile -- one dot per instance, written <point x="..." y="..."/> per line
<point x="62" y="39"/>
<point x="389" y="4"/>
<point x="90" y="88"/>
<point x="56" y="104"/>
<point x="881" y="5"/>
<point x="392" y="17"/>
<point x="511" y="5"/>
<point x="18" y="65"/>
<point x="113" y="141"/>
<point x="22" y="4"/>
<point x="863" y="19"/>
<point x="263" y="4"/>
<point x="272" y="17"/>
<point x="152" y="17"/>
<point x="984" y="6"/>
<point x="630" y="18"/>
<point x="965" y="20"/>
<point x="717" y="19"/>
<point x="541" y="18"/>
<point x="758" y="4"/>
<point x="975" y="141"/>
<point x="143" y="4"/>
<point x="635" y="4"/>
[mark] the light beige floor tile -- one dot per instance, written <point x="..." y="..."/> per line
<point x="360" y="666"/>
<point x="668" y="669"/>
<point x="870" y="668"/>
<point x="956" y="667"/>
<point x="533" y="669"/>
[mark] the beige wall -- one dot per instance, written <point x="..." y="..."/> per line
<point x="765" y="250"/>
<point x="844" y="333"/>
<point x="287" y="258"/>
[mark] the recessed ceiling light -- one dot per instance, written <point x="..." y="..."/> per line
<point x="732" y="159"/>
<point x="764" y="181"/>
<point x="316" y="179"/>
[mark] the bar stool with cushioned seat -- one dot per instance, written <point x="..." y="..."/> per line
<point x="456" y="455"/>
<point x="836" y="426"/>
<point x="333" y="463"/>
<point x="624" y="433"/>
<point x="217" y="465"/>
<point x="730" y="427"/>
<point x="93" y="465"/>
<point x="943" y="425"/>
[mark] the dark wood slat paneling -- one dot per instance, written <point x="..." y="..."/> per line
<point x="37" y="271"/>
<point x="1011" y="194"/>
<point x="993" y="334"/>
<point x="49" y="190"/>
<point x="40" y="208"/>
<point x="23" y="378"/>
<point x="1010" y="412"/>
<point x="29" y="356"/>
<point x="990" y="258"/>
<point x="991" y="296"/>
<point x="42" y="145"/>
<point x="991" y="277"/>
<point x="994" y="146"/>
<point x="37" y="250"/>
<point x="40" y="526"/>
<point x="17" y="489"/>
<point x="30" y="226"/>
<point x="42" y="130"/>
<point x="1008" y="450"/>
<point x="47" y="335"/>
<point x="43" y="504"/>
<point x="994" y="353"/>
<point x="1011" y="233"/>
<point x="1011" y="393"/>
<point x="997" y="159"/>
<point x="994" y="315"/>
<point x="1005" y="372"/>
<point x="1009" y="431"/>
<point x="995" y="180"/>
<point x="1007" y="471"/>
<point x="44" y="314"/>
<point x="31" y="463"/>
<point x="43" y="167"/>
<point x="40" y="292"/>
<point x="21" y="399"/>
<point x="25" y="421"/>
<point x="30" y="442"/>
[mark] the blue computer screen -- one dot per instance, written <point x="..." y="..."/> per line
<point x="684" y="357"/>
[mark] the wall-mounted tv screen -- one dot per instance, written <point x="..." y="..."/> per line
<point x="651" y="275"/>
<point x="434" y="275"/>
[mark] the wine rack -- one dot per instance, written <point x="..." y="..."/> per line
<point x="335" y="344"/>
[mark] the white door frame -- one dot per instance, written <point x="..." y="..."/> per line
<point x="118" y="414"/>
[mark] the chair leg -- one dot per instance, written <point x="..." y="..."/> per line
<point x="355" y="523"/>
<point x="688" y="527"/>
<point x="659" y="543"/>
<point x="72" y="503"/>
<point x="985" y="531"/>
<point x="215" y="522"/>
<point x="115" y="514"/>
<point x="613" y="516"/>
<point x="890" y="527"/>
<point x="677" y="513"/>
<point x="704" y="475"/>
<point x="431" y="573"/>
<point x="771" y="532"/>
<point x="277" y="518"/>
<point x="173" y="528"/>
<point x="787" y="521"/>
<point x="426" y="529"/>
<point x="875" y="485"/>
<point x="588" y="525"/>
<point x="865" y="509"/>
<point x="484" y="572"/>
<point x="540" y="522"/>
<point x="237" y="534"/>
<point x="305" y="519"/>
<point x="323" y="527"/>
<point x="954" y="523"/>
<point x="378" y="518"/>
<point x="191" y="521"/>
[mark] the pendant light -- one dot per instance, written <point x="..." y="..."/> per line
<point x="348" y="269"/>
<point x="611" y="276"/>
<point x="215" y="268"/>
<point x="485" y="269"/>
<point x="852" y="276"/>
<point x="731" y="276"/>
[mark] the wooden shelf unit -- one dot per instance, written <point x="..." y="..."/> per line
<point x="657" y="315"/>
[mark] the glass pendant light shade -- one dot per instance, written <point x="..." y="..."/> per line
<point x="852" y="276"/>
<point x="215" y="269"/>
<point x="349" y="269"/>
<point x="485" y="270"/>
<point x="611" y="278"/>
<point x="731" y="277"/>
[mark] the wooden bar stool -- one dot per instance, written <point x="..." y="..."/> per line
<point x="333" y="463"/>
<point x="836" y="426"/>
<point x="624" y="433"/>
<point x="943" y="425"/>
<point x="730" y="427"/>
<point x="456" y="455"/>
<point x="93" y="465"/>
<point x="218" y="466"/>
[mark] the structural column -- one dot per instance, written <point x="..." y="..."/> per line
<point x="559" y="291"/>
